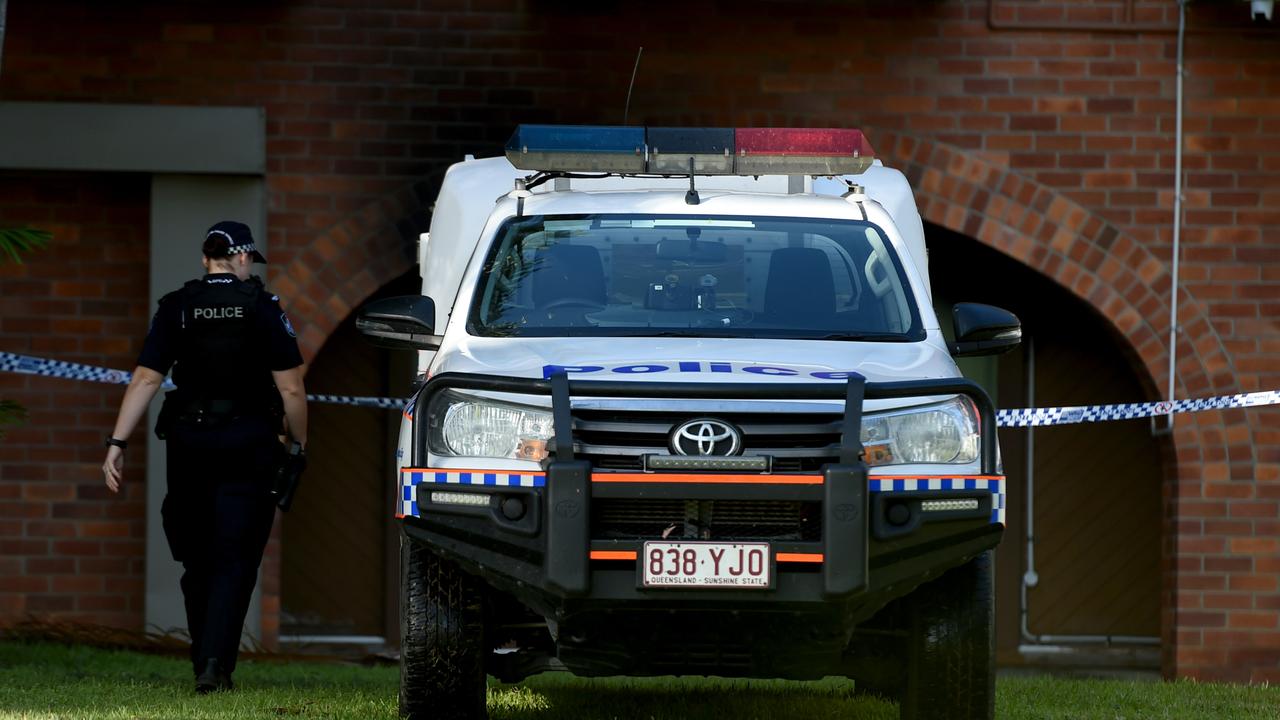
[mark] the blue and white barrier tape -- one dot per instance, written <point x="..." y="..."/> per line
<point x="1037" y="417"/>
<point x="27" y="365"/>
<point x="385" y="403"/>
<point x="1026" y="417"/>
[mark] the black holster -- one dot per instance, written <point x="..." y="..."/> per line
<point x="168" y="414"/>
<point x="288" y="476"/>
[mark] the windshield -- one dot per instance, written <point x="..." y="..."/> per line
<point x="680" y="275"/>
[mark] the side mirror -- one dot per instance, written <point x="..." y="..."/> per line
<point x="407" y="321"/>
<point x="984" y="330"/>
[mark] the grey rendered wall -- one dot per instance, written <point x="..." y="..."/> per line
<point x="207" y="164"/>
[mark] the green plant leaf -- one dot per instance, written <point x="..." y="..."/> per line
<point x="15" y="242"/>
<point x="11" y="413"/>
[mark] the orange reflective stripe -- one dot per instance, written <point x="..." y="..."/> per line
<point x="613" y="554"/>
<point x="710" y="479"/>
<point x="800" y="557"/>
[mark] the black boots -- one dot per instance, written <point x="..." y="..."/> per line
<point x="213" y="679"/>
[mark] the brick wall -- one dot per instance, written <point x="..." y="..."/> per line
<point x="1047" y="127"/>
<point x="67" y="547"/>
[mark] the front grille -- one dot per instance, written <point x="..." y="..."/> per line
<point x="730" y="520"/>
<point x="619" y="439"/>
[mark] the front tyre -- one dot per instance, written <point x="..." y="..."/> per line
<point x="441" y="638"/>
<point x="951" y="646"/>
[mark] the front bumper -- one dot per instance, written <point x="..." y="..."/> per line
<point x="551" y="559"/>
<point x="537" y="536"/>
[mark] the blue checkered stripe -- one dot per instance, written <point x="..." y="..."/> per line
<point x="411" y="480"/>
<point x="957" y="484"/>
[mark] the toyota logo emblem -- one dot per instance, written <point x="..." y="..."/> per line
<point x="706" y="436"/>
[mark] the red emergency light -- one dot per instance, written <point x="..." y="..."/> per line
<point x="779" y="151"/>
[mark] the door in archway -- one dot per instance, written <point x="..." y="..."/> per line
<point x="338" y="565"/>
<point x="1097" y="487"/>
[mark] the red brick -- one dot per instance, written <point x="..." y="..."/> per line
<point x="104" y="529"/>
<point x="1255" y="582"/>
<point x="1255" y="546"/>
<point x="77" y="584"/>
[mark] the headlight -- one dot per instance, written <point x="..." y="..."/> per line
<point x="943" y="433"/>
<point x="473" y="427"/>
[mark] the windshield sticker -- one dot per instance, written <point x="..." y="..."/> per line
<point x="697" y="366"/>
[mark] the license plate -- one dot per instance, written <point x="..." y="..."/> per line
<point x="705" y="564"/>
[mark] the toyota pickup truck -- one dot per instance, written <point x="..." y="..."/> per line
<point x="685" y="408"/>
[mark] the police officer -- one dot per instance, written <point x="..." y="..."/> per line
<point x="237" y="370"/>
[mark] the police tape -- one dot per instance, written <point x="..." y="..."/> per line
<point x="27" y="365"/>
<point x="1024" y="417"/>
<point x="1038" y="417"/>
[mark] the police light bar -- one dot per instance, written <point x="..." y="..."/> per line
<point x="671" y="151"/>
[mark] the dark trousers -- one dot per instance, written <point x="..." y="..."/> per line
<point x="217" y="517"/>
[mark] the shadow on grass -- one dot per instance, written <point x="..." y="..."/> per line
<point x="558" y="696"/>
<point x="53" y="680"/>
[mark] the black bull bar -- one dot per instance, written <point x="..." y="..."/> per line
<point x="566" y="567"/>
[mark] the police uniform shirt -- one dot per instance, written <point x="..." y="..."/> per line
<point x="273" y="340"/>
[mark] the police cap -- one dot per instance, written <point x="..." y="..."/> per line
<point x="230" y="238"/>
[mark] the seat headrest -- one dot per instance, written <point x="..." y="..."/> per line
<point x="799" y="283"/>
<point x="568" y="271"/>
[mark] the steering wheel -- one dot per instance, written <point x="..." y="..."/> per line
<point x="572" y="302"/>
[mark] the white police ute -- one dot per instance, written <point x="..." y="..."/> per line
<point x="686" y="409"/>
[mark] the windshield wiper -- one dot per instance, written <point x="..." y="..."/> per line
<point x="669" y="333"/>
<point x="863" y="337"/>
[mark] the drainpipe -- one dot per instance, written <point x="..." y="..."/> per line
<point x="1177" y="224"/>
<point x="1030" y="578"/>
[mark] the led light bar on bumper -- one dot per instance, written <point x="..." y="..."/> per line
<point x="669" y="151"/>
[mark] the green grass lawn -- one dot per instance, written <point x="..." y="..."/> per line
<point x="55" y="681"/>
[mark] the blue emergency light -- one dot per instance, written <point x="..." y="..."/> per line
<point x="685" y="151"/>
<point x="578" y="148"/>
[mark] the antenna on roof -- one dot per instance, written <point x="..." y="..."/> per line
<point x="626" y="110"/>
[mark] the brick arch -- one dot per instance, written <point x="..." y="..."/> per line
<point x="351" y="260"/>
<point x="1098" y="262"/>
<point x="1129" y="286"/>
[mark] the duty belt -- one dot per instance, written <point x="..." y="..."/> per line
<point x="218" y="410"/>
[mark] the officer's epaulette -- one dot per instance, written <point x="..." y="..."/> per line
<point x="252" y="287"/>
